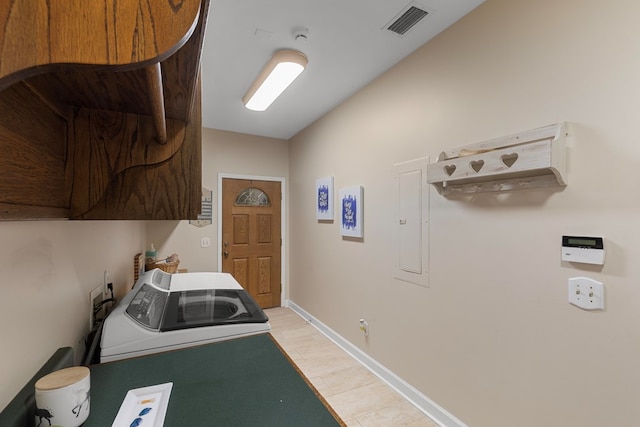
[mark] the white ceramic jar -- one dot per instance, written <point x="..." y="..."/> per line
<point x="62" y="397"/>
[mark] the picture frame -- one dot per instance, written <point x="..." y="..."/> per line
<point x="324" y="199"/>
<point x="351" y="211"/>
<point x="205" y="217"/>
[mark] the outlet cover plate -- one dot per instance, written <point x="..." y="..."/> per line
<point x="586" y="293"/>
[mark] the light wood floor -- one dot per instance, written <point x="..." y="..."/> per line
<point x="358" y="396"/>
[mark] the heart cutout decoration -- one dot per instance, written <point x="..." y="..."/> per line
<point x="449" y="169"/>
<point x="476" y="165"/>
<point x="509" y="159"/>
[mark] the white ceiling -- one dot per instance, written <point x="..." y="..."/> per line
<point x="348" y="46"/>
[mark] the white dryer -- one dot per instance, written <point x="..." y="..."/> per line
<point x="168" y="311"/>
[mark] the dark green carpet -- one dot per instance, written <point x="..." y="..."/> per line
<point x="242" y="382"/>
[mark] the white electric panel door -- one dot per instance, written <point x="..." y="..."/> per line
<point x="410" y="222"/>
<point x="411" y="227"/>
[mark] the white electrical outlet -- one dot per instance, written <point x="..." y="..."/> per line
<point x="364" y="327"/>
<point x="95" y="296"/>
<point x="586" y="293"/>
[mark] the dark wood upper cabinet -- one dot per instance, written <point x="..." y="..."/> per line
<point x="100" y="109"/>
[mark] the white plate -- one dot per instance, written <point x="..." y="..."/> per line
<point x="148" y="405"/>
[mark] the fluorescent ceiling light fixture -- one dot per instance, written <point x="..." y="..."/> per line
<point x="276" y="76"/>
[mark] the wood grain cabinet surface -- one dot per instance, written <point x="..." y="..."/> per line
<point x="100" y="109"/>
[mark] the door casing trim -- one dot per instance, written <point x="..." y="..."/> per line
<point x="283" y="230"/>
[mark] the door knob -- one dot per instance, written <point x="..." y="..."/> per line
<point x="226" y="253"/>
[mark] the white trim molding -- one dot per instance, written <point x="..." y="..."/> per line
<point x="427" y="406"/>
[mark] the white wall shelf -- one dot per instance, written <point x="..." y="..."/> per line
<point x="529" y="159"/>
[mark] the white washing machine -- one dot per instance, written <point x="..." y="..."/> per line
<point x="168" y="311"/>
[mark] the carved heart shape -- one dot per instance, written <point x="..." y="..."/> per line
<point x="509" y="159"/>
<point x="449" y="169"/>
<point x="476" y="165"/>
<point x="176" y="5"/>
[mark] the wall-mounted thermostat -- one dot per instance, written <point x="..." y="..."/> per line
<point x="588" y="250"/>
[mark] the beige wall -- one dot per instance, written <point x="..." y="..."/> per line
<point x="48" y="269"/>
<point x="493" y="339"/>
<point x="222" y="152"/>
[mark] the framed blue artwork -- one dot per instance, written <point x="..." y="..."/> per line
<point x="351" y="211"/>
<point x="324" y="198"/>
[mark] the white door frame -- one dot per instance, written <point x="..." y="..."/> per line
<point x="283" y="230"/>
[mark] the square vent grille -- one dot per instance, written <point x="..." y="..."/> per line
<point x="407" y="20"/>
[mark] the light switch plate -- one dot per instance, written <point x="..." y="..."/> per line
<point x="586" y="293"/>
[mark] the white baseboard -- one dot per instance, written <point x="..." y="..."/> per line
<point x="431" y="409"/>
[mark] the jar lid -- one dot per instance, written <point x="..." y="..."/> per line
<point x="62" y="378"/>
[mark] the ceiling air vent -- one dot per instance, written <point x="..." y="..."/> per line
<point x="407" y="20"/>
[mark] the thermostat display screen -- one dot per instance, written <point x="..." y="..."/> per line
<point x="583" y="242"/>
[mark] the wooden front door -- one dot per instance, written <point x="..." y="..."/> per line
<point x="251" y="240"/>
